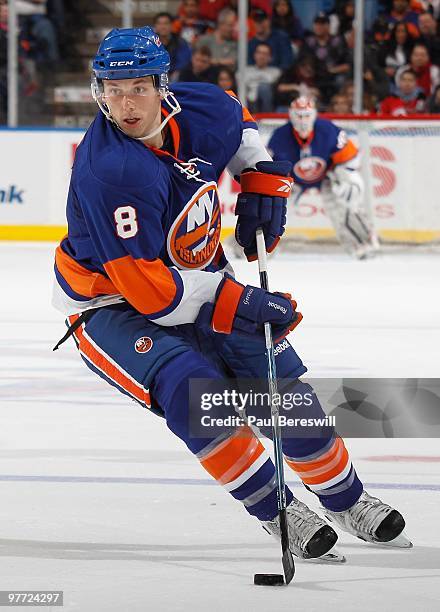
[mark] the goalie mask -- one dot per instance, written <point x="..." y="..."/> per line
<point x="133" y="53"/>
<point x="302" y="114"/>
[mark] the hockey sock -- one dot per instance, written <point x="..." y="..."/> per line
<point x="319" y="457"/>
<point x="236" y="458"/>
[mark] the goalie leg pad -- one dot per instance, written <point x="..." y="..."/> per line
<point x="353" y="227"/>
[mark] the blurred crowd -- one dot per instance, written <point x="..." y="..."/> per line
<point x="45" y="42"/>
<point x="401" y="53"/>
<point x="287" y="55"/>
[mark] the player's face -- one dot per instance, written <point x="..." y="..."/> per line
<point x="134" y="105"/>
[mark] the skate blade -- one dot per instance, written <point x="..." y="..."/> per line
<point x="402" y="541"/>
<point x="334" y="556"/>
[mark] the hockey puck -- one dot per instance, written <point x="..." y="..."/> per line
<point x="269" y="579"/>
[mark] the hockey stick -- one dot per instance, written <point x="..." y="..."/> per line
<point x="288" y="563"/>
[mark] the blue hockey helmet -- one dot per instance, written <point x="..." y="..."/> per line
<point x="132" y="53"/>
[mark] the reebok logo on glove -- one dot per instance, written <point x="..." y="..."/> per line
<point x="286" y="186"/>
<point x="281" y="347"/>
<point x="277" y="307"/>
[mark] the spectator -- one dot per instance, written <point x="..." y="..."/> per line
<point x="433" y="6"/>
<point x="284" y="18"/>
<point x="347" y="90"/>
<point x="200" y="70"/>
<point x="375" y="78"/>
<point x="339" y="105"/>
<point x="378" y="39"/>
<point x="428" y="75"/>
<point x="221" y="42"/>
<point x="409" y="97"/>
<point x="422" y="6"/>
<point x="341" y="19"/>
<point x="299" y="79"/>
<point x="189" y="24"/>
<point x="41" y="32"/>
<point x="434" y="101"/>
<point x="401" y="12"/>
<point x="278" y="41"/>
<point x="210" y="9"/>
<point x="398" y="49"/>
<point x="179" y="50"/>
<point x="331" y="52"/>
<point x="226" y="80"/>
<point x="260" y="78"/>
<point x="429" y="37"/>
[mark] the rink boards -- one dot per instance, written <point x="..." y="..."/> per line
<point x="400" y="168"/>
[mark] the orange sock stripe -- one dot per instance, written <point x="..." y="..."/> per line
<point x="330" y="472"/>
<point x="233" y="456"/>
<point x="314" y="464"/>
<point x="107" y="367"/>
<point x="324" y="467"/>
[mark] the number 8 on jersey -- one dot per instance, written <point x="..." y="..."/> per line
<point x="126" y="222"/>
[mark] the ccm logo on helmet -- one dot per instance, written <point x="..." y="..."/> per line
<point x="125" y="63"/>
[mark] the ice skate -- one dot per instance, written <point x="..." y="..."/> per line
<point x="310" y="537"/>
<point x="372" y="520"/>
<point x="368" y="250"/>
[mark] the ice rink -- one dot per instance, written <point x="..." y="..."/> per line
<point x="99" y="500"/>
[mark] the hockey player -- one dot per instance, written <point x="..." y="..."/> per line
<point x="323" y="157"/>
<point x="143" y="280"/>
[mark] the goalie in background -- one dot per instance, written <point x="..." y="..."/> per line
<point x="323" y="157"/>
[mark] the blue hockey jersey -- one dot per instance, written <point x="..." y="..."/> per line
<point x="326" y="147"/>
<point x="143" y="223"/>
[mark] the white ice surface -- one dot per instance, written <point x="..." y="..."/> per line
<point x="98" y="499"/>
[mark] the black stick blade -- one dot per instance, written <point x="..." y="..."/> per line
<point x="288" y="566"/>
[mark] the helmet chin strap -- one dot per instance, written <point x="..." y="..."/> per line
<point x="170" y="99"/>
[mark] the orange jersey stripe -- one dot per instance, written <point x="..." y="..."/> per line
<point x="148" y="285"/>
<point x="82" y="281"/>
<point x="107" y="367"/>
<point x="344" y="155"/>
<point x="234" y="456"/>
<point x="246" y="114"/>
<point x="175" y="131"/>
<point x="226" y="306"/>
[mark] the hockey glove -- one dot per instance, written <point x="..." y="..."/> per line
<point x="245" y="309"/>
<point x="263" y="203"/>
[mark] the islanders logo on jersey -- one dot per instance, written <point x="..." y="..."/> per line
<point x="195" y="234"/>
<point x="310" y="169"/>
<point x="143" y="344"/>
